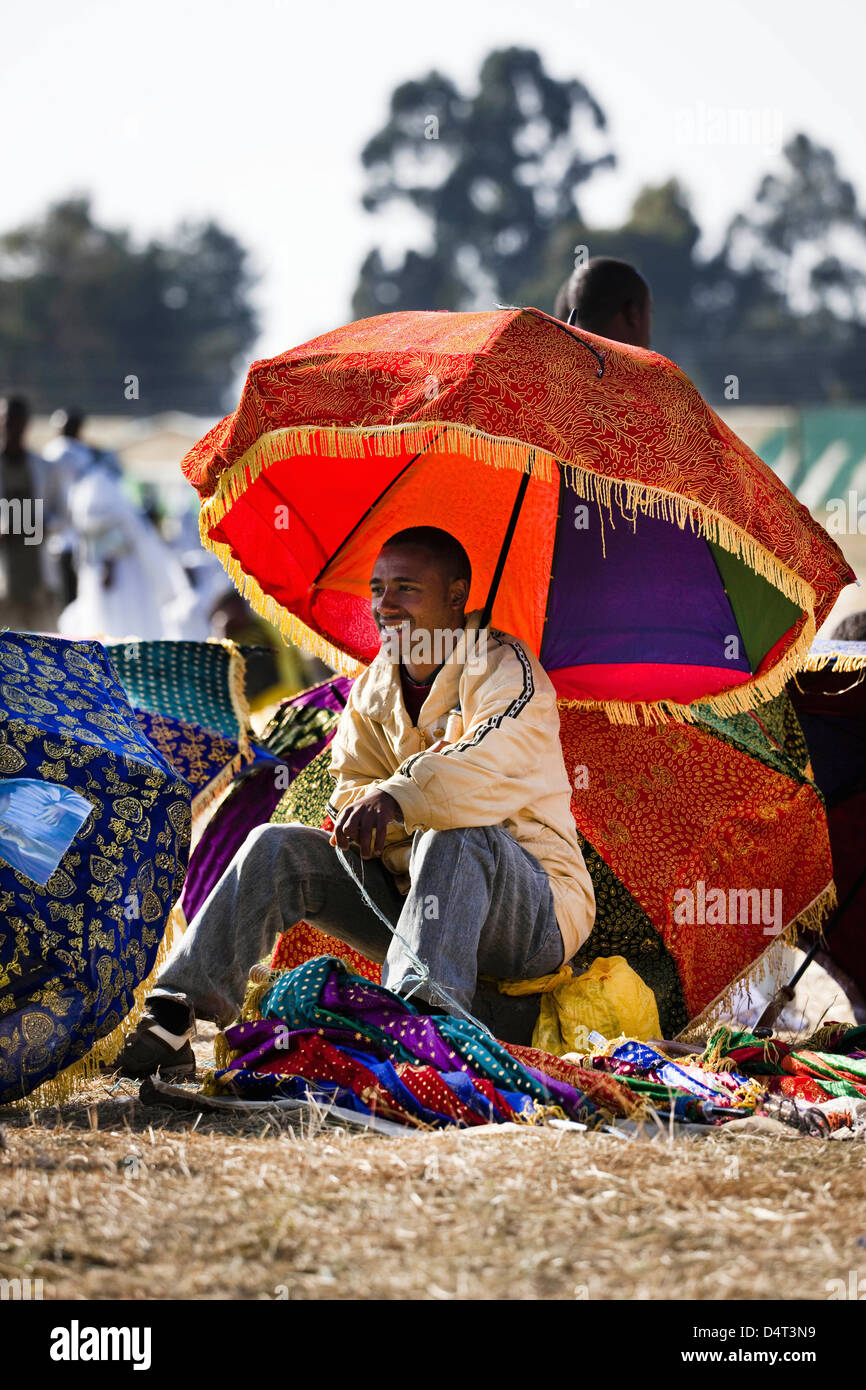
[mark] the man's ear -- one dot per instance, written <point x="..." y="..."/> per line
<point x="458" y="593"/>
<point x="632" y="313"/>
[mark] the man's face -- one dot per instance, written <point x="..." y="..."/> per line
<point x="408" y="586"/>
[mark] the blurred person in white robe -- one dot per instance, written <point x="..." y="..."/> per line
<point x="130" y="583"/>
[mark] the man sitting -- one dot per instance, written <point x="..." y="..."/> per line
<point x="452" y="806"/>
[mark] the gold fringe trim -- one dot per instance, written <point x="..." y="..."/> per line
<point x="629" y="498"/>
<point x="291" y="628"/>
<point x="739" y="700"/>
<point x="238" y="689"/>
<point x="260" y="980"/>
<point x="715" y="1057"/>
<point x="218" y="784"/>
<point x="821" y="1039"/>
<point x="104" y="1050"/>
<point x="718" y="1011"/>
<point x="817" y="661"/>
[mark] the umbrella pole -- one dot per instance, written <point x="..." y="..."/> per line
<point x="785" y="993"/>
<point x="503" y="554"/>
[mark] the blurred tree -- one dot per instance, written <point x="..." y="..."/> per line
<point x="492" y="174"/>
<point x="785" y="297"/>
<point x="795" y="216"/>
<point x="777" y="314"/>
<point x="780" y="308"/>
<point x="83" y="311"/>
<point x="658" y="237"/>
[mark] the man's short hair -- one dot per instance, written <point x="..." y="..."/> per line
<point x="452" y="558"/>
<point x="599" y="291"/>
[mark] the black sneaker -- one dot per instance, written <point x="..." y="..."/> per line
<point x="154" y="1049"/>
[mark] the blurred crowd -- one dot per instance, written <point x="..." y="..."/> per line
<point x="78" y="555"/>
<point x="81" y="556"/>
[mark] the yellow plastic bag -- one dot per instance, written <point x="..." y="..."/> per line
<point x="609" y="997"/>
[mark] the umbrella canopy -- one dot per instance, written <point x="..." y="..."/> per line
<point x="655" y="562"/>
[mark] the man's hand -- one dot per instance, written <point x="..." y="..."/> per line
<point x="365" y="823"/>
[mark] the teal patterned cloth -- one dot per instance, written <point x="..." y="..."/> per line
<point x="323" y="994"/>
<point x="200" y="682"/>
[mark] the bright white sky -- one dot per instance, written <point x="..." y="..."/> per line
<point x="255" y="111"/>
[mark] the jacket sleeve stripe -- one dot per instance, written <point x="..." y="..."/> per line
<point x="518" y="704"/>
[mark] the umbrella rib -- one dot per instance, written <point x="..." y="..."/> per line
<point x="359" y="523"/>
<point x="503" y="553"/>
<point x="574" y="335"/>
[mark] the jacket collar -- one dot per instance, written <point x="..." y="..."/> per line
<point x="382" y="696"/>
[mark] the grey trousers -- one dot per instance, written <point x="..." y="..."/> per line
<point x="478" y="904"/>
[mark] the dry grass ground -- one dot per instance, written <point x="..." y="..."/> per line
<point x="105" y="1199"/>
<point x="146" y="1206"/>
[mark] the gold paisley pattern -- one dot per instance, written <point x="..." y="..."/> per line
<point x="11" y="761"/>
<point x="736" y="815"/>
<point x="205" y="759"/>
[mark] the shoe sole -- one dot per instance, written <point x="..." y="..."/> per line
<point x="184" y="1072"/>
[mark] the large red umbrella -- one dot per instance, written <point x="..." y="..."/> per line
<point x="653" y="560"/>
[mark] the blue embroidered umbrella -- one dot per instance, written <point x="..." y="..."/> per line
<point x="94" y="837"/>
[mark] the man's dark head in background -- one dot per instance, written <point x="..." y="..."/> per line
<point x="14" y="419"/>
<point x="612" y="299"/>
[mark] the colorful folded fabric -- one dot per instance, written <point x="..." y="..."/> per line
<point x="306" y="719"/>
<point x="326" y="1031"/>
<point x="690" y="1090"/>
<point x="832" y="1058"/>
<point x="299" y="730"/>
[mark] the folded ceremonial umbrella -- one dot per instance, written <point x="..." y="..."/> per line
<point x="652" y="559"/>
<point x="94" y="837"/>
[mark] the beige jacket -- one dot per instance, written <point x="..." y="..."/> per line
<point x="503" y="766"/>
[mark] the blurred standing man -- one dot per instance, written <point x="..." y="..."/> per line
<point x="26" y="602"/>
<point x="612" y="300"/>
